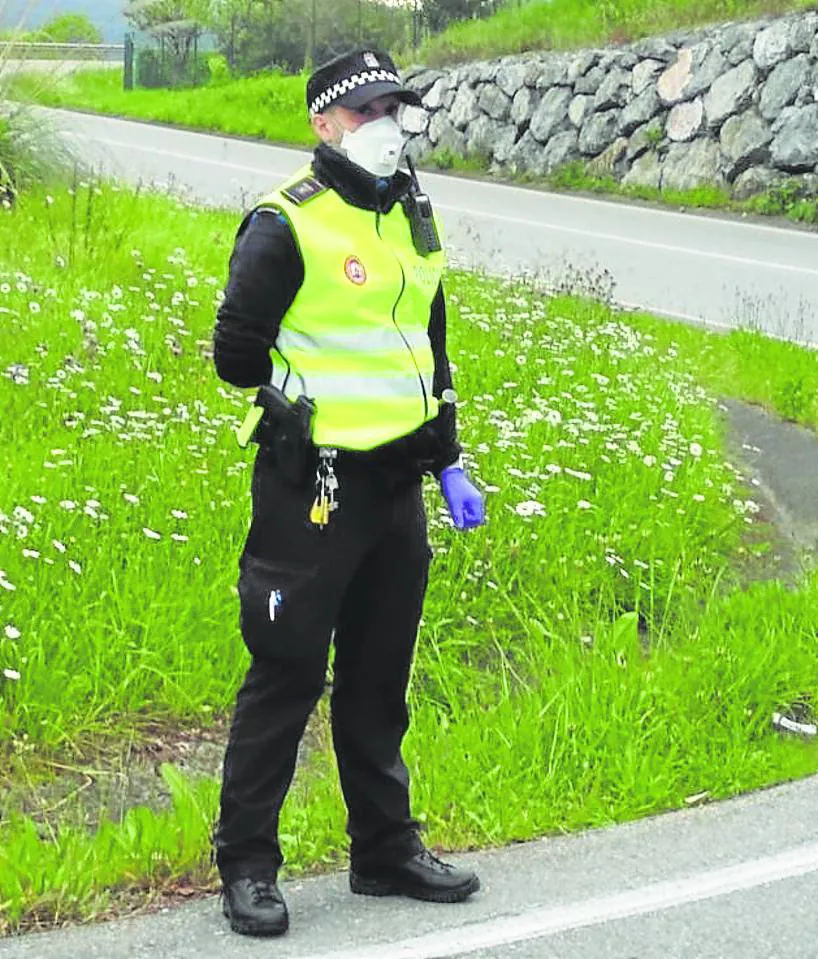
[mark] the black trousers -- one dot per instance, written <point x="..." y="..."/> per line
<point x="361" y="583"/>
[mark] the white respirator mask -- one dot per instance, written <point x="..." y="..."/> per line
<point x="375" y="146"/>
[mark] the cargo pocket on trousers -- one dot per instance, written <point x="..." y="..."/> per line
<point x="280" y="612"/>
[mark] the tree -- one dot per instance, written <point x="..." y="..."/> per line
<point x="258" y="34"/>
<point x="69" y="28"/>
<point x="174" y="26"/>
<point x="440" y="13"/>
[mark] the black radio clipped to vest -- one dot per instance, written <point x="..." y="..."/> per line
<point x="418" y="209"/>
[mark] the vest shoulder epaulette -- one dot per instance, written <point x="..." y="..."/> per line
<point x="304" y="190"/>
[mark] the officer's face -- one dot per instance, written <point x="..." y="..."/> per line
<point x="333" y="123"/>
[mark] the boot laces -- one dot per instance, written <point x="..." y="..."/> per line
<point x="263" y="889"/>
<point x="437" y="864"/>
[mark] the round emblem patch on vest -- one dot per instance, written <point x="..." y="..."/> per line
<point x="355" y="271"/>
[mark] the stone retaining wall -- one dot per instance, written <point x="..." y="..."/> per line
<point x="734" y="105"/>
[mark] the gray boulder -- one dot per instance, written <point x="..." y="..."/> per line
<point x="464" y="109"/>
<point x="613" y="91"/>
<point x="795" y="146"/>
<point x="643" y="75"/>
<point x="414" y="120"/>
<point x="523" y="106"/>
<point x="787" y="114"/>
<point x="494" y="102"/>
<point x="783" y="84"/>
<point x="481" y="136"/>
<point x="511" y="77"/>
<point x="693" y="72"/>
<point x="579" y="108"/>
<point x="552" y="72"/>
<point x="590" y="82"/>
<point x="452" y="140"/>
<point x="730" y="93"/>
<point x="756" y="180"/>
<point x="690" y="165"/>
<point x="437" y="124"/>
<point x="433" y="100"/>
<point x="610" y="161"/>
<point x="803" y="32"/>
<point x="527" y="155"/>
<point x="422" y="81"/>
<point x="684" y="121"/>
<point x="580" y="65"/>
<point x="561" y="149"/>
<point x="646" y="171"/>
<point x="639" y="111"/>
<point x="655" y="48"/>
<point x="708" y="65"/>
<point x="740" y="52"/>
<point x="735" y="34"/>
<point x="645" y="138"/>
<point x="504" y="144"/>
<point x="745" y="142"/>
<point x="773" y="45"/>
<point x="551" y="114"/>
<point x="598" y="132"/>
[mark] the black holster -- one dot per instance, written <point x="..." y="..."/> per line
<point x="285" y="431"/>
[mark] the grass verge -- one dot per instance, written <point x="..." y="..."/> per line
<point x="269" y="106"/>
<point x="572" y="24"/>
<point x="587" y="658"/>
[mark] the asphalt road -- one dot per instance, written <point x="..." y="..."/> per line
<point x="723" y="272"/>
<point x="736" y="880"/>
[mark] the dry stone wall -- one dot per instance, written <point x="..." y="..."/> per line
<point x="733" y="106"/>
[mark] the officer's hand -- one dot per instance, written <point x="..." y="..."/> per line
<point x="463" y="498"/>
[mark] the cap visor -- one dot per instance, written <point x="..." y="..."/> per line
<point x="363" y="95"/>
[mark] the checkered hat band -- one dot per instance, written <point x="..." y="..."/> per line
<point x="349" y="84"/>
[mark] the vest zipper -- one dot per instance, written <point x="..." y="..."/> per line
<point x="395" y="319"/>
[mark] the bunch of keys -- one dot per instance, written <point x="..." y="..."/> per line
<point x="326" y="486"/>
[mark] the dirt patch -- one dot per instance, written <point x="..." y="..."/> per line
<point x="103" y="785"/>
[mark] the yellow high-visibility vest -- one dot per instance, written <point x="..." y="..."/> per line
<point x="355" y="339"/>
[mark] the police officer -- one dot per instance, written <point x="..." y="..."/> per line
<point x="334" y="302"/>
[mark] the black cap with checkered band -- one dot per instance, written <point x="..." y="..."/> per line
<point x="354" y="79"/>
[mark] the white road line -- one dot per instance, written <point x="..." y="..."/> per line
<point x="518" y="221"/>
<point x="508" y="188"/>
<point x="175" y="155"/>
<point x="648" y="244"/>
<point x="552" y="920"/>
<point x="643" y="210"/>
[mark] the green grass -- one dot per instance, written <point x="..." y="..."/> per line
<point x="269" y="106"/>
<point x="592" y="655"/>
<point x="572" y="24"/>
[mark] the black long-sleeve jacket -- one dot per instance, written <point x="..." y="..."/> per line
<point x="266" y="271"/>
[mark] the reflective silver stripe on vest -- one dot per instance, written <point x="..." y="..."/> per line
<point x="372" y="341"/>
<point x="399" y="386"/>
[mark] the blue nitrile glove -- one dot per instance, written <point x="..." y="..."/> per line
<point x="462" y="497"/>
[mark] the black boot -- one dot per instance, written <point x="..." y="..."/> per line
<point x="254" y="905"/>
<point x="422" y="876"/>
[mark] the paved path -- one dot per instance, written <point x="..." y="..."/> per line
<point x="737" y="880"/>
<point x="720" y="271"/>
